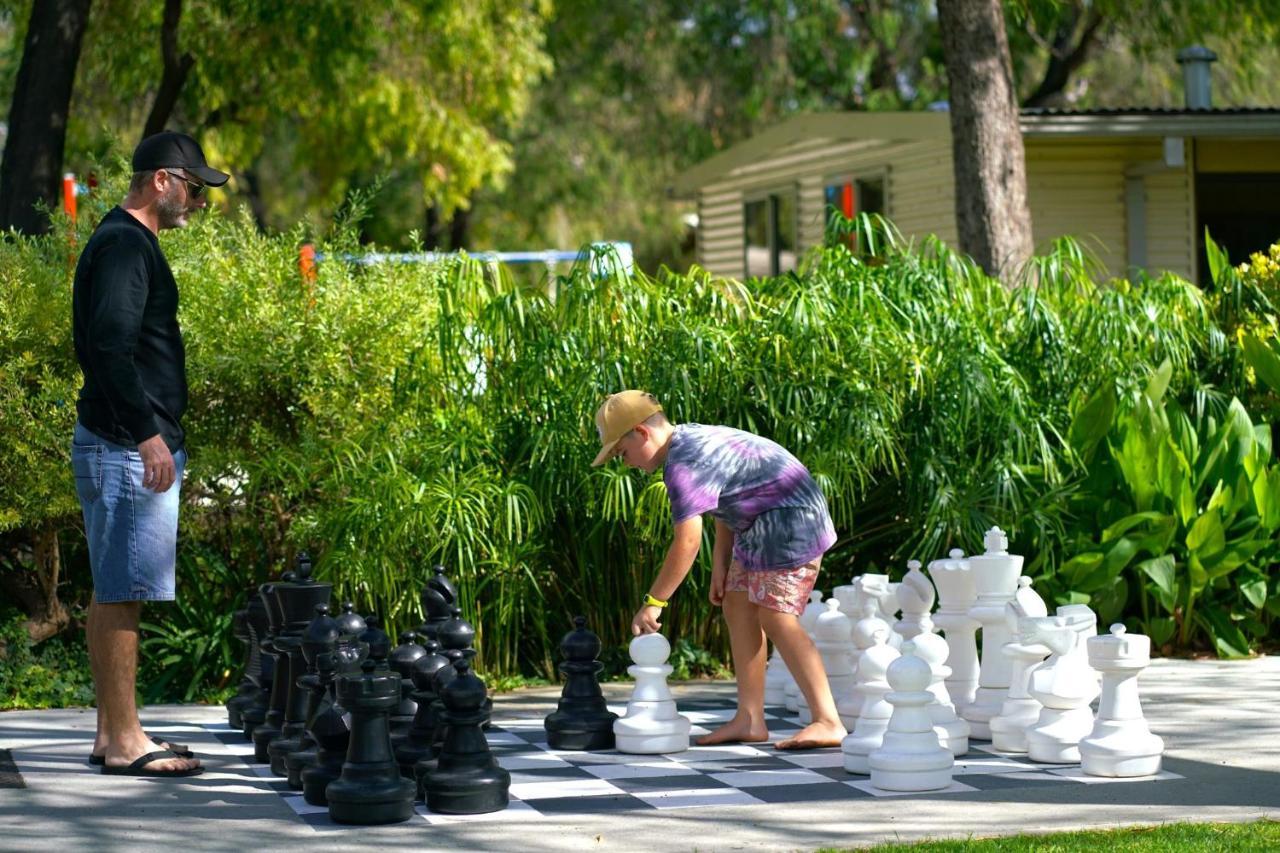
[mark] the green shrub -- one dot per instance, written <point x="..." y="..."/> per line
<point x="55" y="675"/>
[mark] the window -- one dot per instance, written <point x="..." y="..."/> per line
<point x="770" y="231"/>
<point x="852" y="196"/>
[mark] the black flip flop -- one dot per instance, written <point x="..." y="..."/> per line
<point x="139" y="767"/>
<point x="177" y="749"/>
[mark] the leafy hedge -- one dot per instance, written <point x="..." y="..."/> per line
<point x="388" y="417"/>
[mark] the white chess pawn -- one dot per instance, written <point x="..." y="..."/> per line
<point x="995" y="580"/>
<point x="832" y="637"/>
<point x="864" y="637"/>
<point x="910" y="757"/>
<point x="1020" y="709"/>
<point x="952" y="732"/>
<point x="915" y="596"/>
<point x="869" y="730"/>
<point x="807" y="620"/>
<point x="1065" y="684"/>
<point x="1120" y="743"/>
<point x="954" y="581"/>
<point x="651" y="725"/>
<point x="776" y="675"/>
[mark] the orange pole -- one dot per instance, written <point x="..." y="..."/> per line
<point x="69" y="194"/>
<point x="307" y="262"/>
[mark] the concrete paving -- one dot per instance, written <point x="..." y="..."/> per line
<point x="1218" y="718"/>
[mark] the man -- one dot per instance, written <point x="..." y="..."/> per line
<point x="127" y="451"/>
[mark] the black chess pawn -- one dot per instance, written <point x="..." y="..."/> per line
<point x="459" y="634"/>
<point x="439" y="597"/>
<point x="370" y="789"/>
<point x="330" y="727"/>
<point x="350" y="623"/>
<point x="419" y="741"/>
<point x="439" y="728"/>
<point x="321" y="636"/>
<point x="375" y="638"/>
<point x="402" y="659"/>
<point x="261" y="669"/>
<point x="298" y="607"/>
<point x="582" y="720"/>
<point x="467" y="778"/>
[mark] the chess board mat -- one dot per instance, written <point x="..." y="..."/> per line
<point x="548" y="783"/>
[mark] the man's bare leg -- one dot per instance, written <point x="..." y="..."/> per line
<point x="746" y="640"/>
<point x="95" y="667"/>
<point x="113" y="640"/>
<point x="804" y="662"/>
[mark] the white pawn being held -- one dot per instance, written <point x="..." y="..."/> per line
<point x="651" y="725"/>
<point x="910" y="758"/>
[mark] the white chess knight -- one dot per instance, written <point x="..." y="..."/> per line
<point x="995" y="580"/>
<point x="651" y="725"/>
<point x="864" y="632"/>
<point x="1065" y="684"/>
<point x="953" y="579"/>
<point x="915" y="597"/>
<point x="1020" y="709"/>
<point x="832" y="637"/>
<point x="808" y="618"/>
<point x="910" y="758"/>
<point x="952" y="732"/>
<point x="1120" y="743"/>
<point x="869" y="730"/>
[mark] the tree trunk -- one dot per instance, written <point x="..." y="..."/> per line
<point x="35" y="588"/>
<point x="253" y="189"/>
<point x="433" y="236"/>
<point x="458" y="227"/>
<point x="1065" y="57"/>
<point x="175" y="71"/>
<point x="990" y="167"/>
<point x="32" y="168"/>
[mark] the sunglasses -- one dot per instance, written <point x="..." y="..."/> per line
<point x="196" y="189"/>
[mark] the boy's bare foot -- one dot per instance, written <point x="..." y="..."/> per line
<point x="814" y="736"/>
<point x="736" y="731"/>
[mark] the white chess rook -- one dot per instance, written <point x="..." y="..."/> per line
<point x="651" y="725"/>
<point x="1065" y="684"/>
<point x="1020" y="709"/>
<point x="1120" y="743"/>
<point x="869" y="730"/>
<point x="995" y="579"/>
<point x="910" y="757"/>
<point x="915" y="597"/>
<point x="952" y="732"/>
<point x="953" y="579"/>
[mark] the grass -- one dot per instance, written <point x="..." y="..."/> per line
<point x="1258" y="835"/>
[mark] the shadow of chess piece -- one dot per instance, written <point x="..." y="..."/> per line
<point x="418" y="744"/>
<point x="321" y="636"/>
<point x="298" y="607"/>
<point x="467" y="778"/>
<point x="370" y="789"/>
<point x="331" y="727"/>
<point x="402" y="659"/>
<point x="582" y="719"/>
<point x="254" y="712"/>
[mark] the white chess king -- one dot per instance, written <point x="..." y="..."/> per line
<point x="651" y="725"/>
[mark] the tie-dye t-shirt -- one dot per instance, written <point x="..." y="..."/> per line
<point x="760" y="491"/>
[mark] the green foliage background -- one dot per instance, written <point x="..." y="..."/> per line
<point x="389" y="417"/>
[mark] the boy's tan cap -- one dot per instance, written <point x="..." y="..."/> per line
<point x="618" y="415"/>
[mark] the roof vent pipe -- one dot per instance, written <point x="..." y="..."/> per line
<point x="1195" y="61"/>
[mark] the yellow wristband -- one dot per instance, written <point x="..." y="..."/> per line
<point x="650" y="601"/>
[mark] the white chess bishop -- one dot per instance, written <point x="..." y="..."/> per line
<point x="953" y="579"/>
<point x="1065" y="684"/>
<point x="832" y="637"/>
<point x="872" y="723"/>
<point x="952" y="732"/>
<point x="910" y="757"/>
<point x="995" y="579"/>
<point x="915" y="598"/>
<point x="1120" y="743"/>
<point x="651" y="725"/>
<point x="864" y="637"/>
<point x="1020" y="709"/>
<point x="807" y="621"/>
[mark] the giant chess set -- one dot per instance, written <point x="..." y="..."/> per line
<point x="358" y="732"/>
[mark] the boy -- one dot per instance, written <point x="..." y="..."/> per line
<point x="772" y="528"/>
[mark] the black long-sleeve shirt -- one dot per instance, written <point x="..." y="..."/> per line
<point x="125" y="321"/>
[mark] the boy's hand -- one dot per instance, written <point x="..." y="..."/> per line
<point x="716" y="594"/>
<point x="646" y="620"/>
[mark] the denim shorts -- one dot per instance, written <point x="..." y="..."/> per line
<point x="132" y="531"/>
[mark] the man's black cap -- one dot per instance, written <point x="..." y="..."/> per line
<point x="170" y="150"/>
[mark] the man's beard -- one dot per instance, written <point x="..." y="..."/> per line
<point x="170" y="211"/>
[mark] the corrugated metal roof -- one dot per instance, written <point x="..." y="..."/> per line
<point x="1150" y="111"/>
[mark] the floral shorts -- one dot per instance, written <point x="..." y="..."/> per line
<point x="783" y="590"/>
